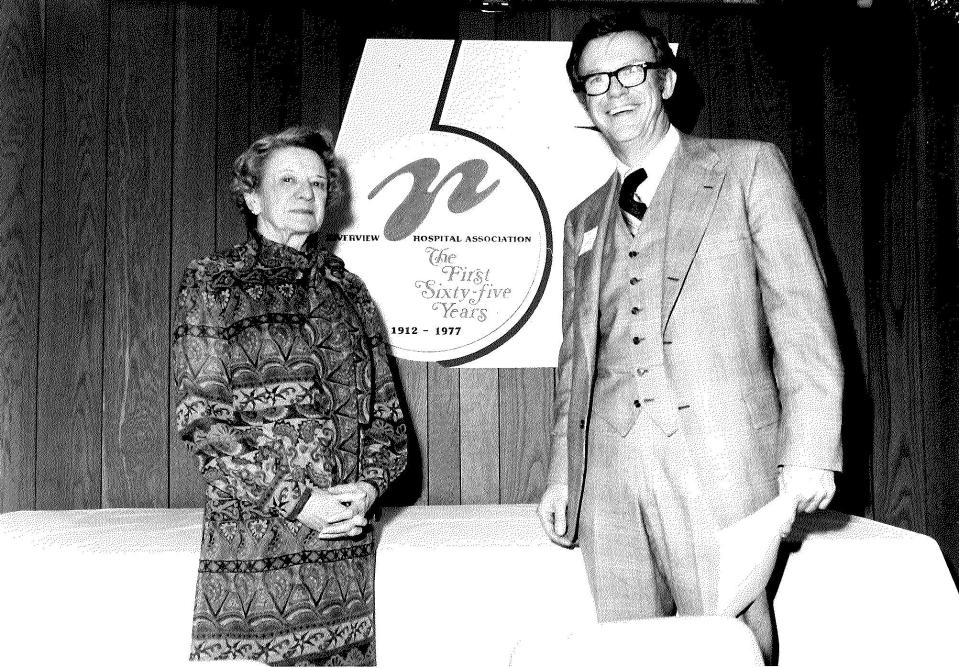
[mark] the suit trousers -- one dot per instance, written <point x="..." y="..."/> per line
<point x="647" y="533"/>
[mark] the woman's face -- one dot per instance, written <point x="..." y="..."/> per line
<point x="290" y="201"/>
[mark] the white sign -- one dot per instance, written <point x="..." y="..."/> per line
<point x="464" y="159"/>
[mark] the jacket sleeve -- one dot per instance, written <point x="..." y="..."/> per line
<point x="559" y="450"/>
<point x="383" y="435"/>
<point x="239" y="462"/>
<point x="806" y="359"/>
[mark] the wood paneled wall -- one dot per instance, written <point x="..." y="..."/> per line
<point x="120" y="119"/>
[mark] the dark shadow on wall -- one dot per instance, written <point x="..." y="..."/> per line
<point x="687" y="101"/>
<point x="853" y="485"/>
<point x="408" y="488"/>
<point x="339" y="215"/>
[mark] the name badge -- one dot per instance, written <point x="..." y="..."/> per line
<point x="589" y="238"/>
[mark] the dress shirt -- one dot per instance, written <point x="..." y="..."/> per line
<point x="655" y="165"/>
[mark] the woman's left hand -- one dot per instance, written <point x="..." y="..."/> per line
<point x="358" y="497"/>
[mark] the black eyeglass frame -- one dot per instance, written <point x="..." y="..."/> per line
<point x="646" y="65"/>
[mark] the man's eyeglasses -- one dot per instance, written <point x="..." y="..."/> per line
<point x="627" y="76"/>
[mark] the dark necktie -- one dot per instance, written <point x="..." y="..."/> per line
<point x="627" y="194"/>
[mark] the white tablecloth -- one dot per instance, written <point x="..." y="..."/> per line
<point x="455" y="585"/>
<point x="859" y="593"/>
<point x="460" y="585"/>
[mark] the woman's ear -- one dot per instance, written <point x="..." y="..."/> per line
<point x="252" y="203"/>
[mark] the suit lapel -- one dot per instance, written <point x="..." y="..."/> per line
<point x="589" y="264"/>
<point x="695" y="190"/>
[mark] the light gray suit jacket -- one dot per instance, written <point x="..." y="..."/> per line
<point x="749" y="343"/>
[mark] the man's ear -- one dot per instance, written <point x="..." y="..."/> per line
<point x="252" y="202"/>
<point x="668" y="82"/>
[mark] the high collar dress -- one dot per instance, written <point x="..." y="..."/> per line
<point x="283" y="388"/>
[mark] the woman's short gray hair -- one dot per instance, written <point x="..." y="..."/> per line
<point x="248" y="167"/>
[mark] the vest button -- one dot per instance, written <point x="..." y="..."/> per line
<point x="636" y="340"/>
<point x="635" y="310"/>
<point x="642" y="372"/>
<point x="633" y="253"/>
<point x="637" y="403"/>
<point x="633" y="281"/>
<point x="582" y="424"/>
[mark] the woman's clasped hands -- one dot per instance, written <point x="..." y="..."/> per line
<point x="340" y="511"/>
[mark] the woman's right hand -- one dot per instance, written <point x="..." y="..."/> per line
<point x="330" y="517"/>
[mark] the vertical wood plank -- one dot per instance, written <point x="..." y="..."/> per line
<point x="277" y="52"/>
<point x="526" y="402"/>
<point x="137" y="296"/>
<point x="194" y="186"/>
<point x="320" y="94"/>
<point x="21" y="126"/>
<point x="234" y="69"/>
<point x="893" y="269"/>
<point x="69" y="401"/>
<point x="938" y="37"/>
<point x="443" y="410"/>
<point x="843" y="256"/>
<point x="411" y="488"/>
<point x="929" y="481"/>
<point x="479" y="436"/>
<point x="894" y="350"/>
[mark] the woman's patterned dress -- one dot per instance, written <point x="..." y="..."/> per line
<point x="280" y="362"/>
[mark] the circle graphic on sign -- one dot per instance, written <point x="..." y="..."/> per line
<point x="452" y="240"/>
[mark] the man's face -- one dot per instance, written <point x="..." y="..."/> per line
<point x="625" y="114"/>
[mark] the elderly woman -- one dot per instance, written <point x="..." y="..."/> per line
<point x="286" y="398"/>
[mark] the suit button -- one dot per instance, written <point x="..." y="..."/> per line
<point x="642" y="372"/>
<point x="635" y="310"/>
<point x="633" y="281"/>
<point x="638" y="339"/>
<point x="582" y="424"/>
<point x="637" y="403"/>
<point x="633" y="253"/>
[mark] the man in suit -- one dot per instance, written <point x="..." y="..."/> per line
<point x="699" y="372"/>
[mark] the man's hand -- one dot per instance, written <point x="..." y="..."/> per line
<point x="812" y="488"/>
<point x="552" y="513"/>
<point x="336" y="515"/>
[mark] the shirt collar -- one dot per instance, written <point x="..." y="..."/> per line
<point x="655" y="164"/>
<point x="311" y="256"/>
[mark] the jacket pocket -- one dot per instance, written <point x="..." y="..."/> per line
<point x="762" y="403"/>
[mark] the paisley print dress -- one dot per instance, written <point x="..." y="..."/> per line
<point x="283" y="388"/>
